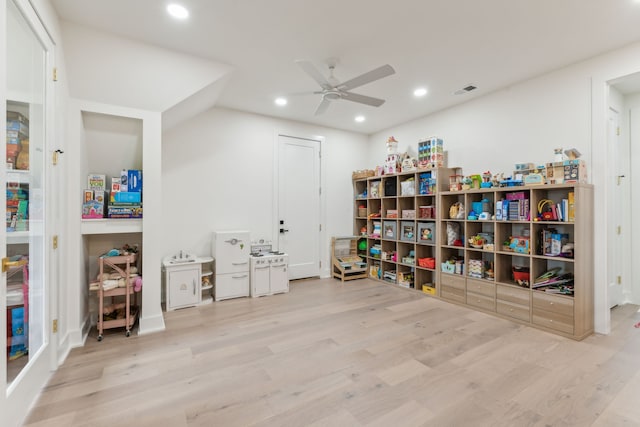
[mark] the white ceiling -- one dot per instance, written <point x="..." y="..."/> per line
<point x="440" y="44"/>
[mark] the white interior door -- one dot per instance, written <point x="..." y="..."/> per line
<point x="26" y="288"/>
<point x="616" y="232"/>
<point x="298" y="206"/>
<point x="633" y="289"/>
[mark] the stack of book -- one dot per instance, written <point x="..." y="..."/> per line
<point x="126" y="195"/>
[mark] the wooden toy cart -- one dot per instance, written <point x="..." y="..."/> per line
<point x="121" y="265"/>
<point x="346" y="264"/>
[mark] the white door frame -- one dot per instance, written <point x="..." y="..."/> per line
<point x="617" y="230"/>
<point x="323" y="249"/>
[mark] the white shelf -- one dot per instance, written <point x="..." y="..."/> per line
<point x="18" y="175"/>
<point x="111" y="226"/>
<point x="15" y="237"/>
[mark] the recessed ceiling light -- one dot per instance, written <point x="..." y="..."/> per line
<point x="420" y="92"/>
<point x="281" y="101"/>
<point x="360" y="119"/>
<point x="178" y="11"/>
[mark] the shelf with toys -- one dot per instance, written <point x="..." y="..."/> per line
<point x="528" y="259"/>
<point x="395" y="218"/>
<point x="517" y="247"/>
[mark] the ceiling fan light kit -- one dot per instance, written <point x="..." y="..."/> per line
<point x="333" y="90"/>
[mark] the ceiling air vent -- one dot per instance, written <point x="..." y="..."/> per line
<point x="465" y="89"/>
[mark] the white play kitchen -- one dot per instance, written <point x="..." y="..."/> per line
<point x="231" y="251"/>
<point x="269" y="273"/>
<point x="239" y="268"/>
<point x="187" y="280"/>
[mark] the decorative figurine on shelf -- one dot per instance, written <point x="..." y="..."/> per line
<point x="392" y="164"/>
<point x="466" y="183"/>
<point x="558" y="157"/>
<point x="392" y="145"/>
<point x="486" y="180"/>
<point x="409" y="164"/>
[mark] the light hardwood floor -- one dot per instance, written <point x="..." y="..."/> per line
<point x="356" y="354"/>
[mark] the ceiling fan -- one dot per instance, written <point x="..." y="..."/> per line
<point x="333" y="90"/>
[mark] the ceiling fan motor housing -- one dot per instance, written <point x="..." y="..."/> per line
<point x="331" y="95"/>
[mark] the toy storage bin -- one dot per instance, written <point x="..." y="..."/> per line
<point x="428" y="288"/>
<point x="427" y="263"/>
<point x="362" y="211"/>
<point x="427" y="212"/>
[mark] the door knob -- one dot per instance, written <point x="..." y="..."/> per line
<point x="7" y="263"/>
<point x="283" y="230"/>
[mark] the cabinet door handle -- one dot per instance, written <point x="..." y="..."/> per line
<point x="194" y="286"/>
<point x="262" y="268"/>
<point x="239" y="263"/>
<point x="239" y="277"/>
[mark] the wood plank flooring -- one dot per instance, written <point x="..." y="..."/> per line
<point x="361" y="353"/>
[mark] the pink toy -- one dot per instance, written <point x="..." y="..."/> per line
<point x="137" y="284"/>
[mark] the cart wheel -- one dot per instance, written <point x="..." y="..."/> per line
<point x="99" y="338"/>
<point x="127" y="334"/>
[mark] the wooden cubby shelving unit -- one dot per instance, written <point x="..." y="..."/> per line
<point x="570" y="316"/>
<point x="494" y="290"/>
<point x="398" y="193"/>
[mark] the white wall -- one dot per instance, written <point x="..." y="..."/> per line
<point x="524" y="123"/>
<point x="217" y="173"/>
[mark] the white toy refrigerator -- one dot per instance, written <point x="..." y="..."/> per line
<point x="231" y="251"/>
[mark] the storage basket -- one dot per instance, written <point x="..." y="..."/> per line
<point x="362" y="174"/>
<point x="521" y="275"/>
<point x="362" y="212"/>
<point x="427" y="262"/>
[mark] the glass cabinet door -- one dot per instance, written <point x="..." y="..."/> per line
<point x="24" y="261"/>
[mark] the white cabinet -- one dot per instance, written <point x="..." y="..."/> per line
<point x="183" y="281"/>
<point x="231" y="251"/>
<point x="233" y="285"/>
<point x="183" y="285"/>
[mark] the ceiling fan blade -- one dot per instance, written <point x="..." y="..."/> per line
<point x="363" y="79"/>
<point x="310" y="69"/>
<point x="323" y="106"/>
<point x="362" y="99"/>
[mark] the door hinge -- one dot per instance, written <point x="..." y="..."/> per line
<point x="55" y="242"/>
<point x="54" y="326"/>
<point x="320" y="264"/>
<point x="619" y="279"/>
<point x="619" y="230"/>
<point x="55" y="74"/>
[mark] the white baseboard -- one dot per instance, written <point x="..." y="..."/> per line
<point x="150" y="325"/>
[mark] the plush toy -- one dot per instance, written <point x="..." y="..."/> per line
<point x="137" y="284"/>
